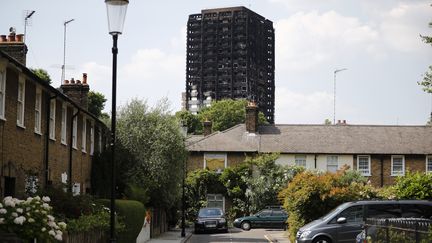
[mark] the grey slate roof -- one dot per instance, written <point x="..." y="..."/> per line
<point x="323" y="139"/>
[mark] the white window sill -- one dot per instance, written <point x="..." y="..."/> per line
<point x="401" y="174"/>
<point x="38" y="133"/>
<point x="366" y="174"/>
<point x="3" y="118"/>
<point x="52" y="139"/>
<point x="74" y="147"/>
<point x="63" y="143"/>
<point x="84" y="152"/>
<point x="21" y="126"/>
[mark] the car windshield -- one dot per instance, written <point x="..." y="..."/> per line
<point x="335" y="210"/>
<point x="210" y="212"/>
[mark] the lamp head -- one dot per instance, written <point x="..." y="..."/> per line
<point x="116" y="12"/>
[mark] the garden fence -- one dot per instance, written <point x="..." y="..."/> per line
<point x="399" y="230"/>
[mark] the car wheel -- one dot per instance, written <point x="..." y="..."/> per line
<point x="322" y="239"/>
<point x="285" y="227"/>
<point x="246" y="225"/>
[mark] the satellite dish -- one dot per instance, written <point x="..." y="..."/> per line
<point x="12" y="30"/>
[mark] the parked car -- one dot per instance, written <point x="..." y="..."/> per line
<point x="269" y="218"/>
<point x="211" y="219"/>
<point x="345" y="222"/>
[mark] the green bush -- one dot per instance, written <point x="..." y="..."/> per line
<point x="132" y="214"/>
<point x="311" y="195"/>
<point x="414" y="186"/>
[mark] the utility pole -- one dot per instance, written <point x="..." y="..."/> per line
<point x="334" y="93"/>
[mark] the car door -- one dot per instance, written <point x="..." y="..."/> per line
<point x="348" y="230"/>
<point x="263" y="219"/>
<point x="277" y="219"/>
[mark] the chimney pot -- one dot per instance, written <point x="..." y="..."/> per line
<point x="72" y="81"/>
<point x="11" y="37"/>
<point x="344" y="121"/>
<point x="19" y="37"/>
<point x="84" y="78"/>
<point x="78" y="81"/>
<point x="3" y="38"/>
<point x="66" y="81"/>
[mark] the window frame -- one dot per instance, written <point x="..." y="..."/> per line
<point x="299" y="157"/>
<point x="215" y="196"/>
<point x="84" y="135"/>
<point x="216" y="155"/>
<point x="337" y="163"/>
<point x="75" y="129"/>
<point x="428" y="161"/>
<point x="369" y="173"/>
<point x="3" y="93"/>
<point x="38" y="111"/>
<point x="21" y="101"/>
<point x="92" y="131"/>
<point x="392" y="172"/>
<point x="64" y="124"/>
<point x="52" y="120"/>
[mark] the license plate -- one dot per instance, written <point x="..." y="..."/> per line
<point x="211" y="226"/>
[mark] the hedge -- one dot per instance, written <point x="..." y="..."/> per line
<point x="132" y="214"/>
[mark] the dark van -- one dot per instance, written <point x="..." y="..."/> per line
<point x="345" y="222"/>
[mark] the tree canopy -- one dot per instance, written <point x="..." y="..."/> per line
<point x="42" y="74"/>
<point x="153" y="138"/>
<point x="96" y="104"/>
<point x="427" y="77"/>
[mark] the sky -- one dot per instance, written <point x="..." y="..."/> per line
<point x="378" y="42"/>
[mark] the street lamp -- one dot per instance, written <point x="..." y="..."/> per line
<point x="183" y="130"/>
<point x="334" y="93"/>
<point x="116" y="12"/>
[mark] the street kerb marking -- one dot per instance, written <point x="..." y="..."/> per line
<point x="270" y="241"/>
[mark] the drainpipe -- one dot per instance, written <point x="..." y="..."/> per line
<point x="48" y="107"/>
<point x="315" y="161"/>
<point x="382" y="171"/>
<point x="71" y="150"/>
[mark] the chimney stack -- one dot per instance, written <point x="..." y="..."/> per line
<point x="207" y="127"/>
<point x="77" y="90"/>
<point x="14" y="46"/>
<point x="251" y="117"/>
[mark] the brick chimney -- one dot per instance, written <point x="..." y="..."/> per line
<point x="14" y="46"/>
<point x="77" y="90"/>
<point x="207" y="127"/>
<point x="251" y="117"/>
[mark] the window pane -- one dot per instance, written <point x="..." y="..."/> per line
<point x="332" y="163"/>
<point x="384" y="211"/>
<point x="429" y="163"/>
<point x="353" y="214"/>
<point x="300" y="160"/>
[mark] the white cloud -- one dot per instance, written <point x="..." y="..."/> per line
<point x="293" y="107"/>
<point x="400" y="26"/>
<point x="305" y="40"/>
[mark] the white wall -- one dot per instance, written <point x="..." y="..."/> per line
<point x="289" y="159"/>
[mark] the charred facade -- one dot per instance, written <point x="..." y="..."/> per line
<point x="230" y="54"/>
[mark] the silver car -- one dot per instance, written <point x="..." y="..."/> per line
<point x="345" y="222"/>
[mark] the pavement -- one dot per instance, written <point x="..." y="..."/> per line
<point x="280" y="237"/>
<point x="172" y="236"/>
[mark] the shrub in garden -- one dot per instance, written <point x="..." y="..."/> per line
<point x="414" y="186"/>
<point x="30" y="219"/>
<point x="131" y="214"/>
<point x="311" y="195"/>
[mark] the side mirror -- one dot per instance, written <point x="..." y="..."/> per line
<point x="258" y="215"/>
<point x="341" y="220"/>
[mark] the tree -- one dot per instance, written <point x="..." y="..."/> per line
<point x="190" y="120"/>
<point x="227" y="113"/>
<point x="153" y="138"/>
<point x="427" y="77"/>
<point x="42" y="74"/>
<point x="96" y="104"/>
<point x="327" y="122"/>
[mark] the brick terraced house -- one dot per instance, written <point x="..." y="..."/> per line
<point x="378" y="152"/>
<point x="47" y="136"/>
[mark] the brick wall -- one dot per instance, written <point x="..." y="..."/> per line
<point x="22" y="151"/>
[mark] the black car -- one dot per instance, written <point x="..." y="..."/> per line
<point x="270" y="218"/>
<point x="211" y="219"/>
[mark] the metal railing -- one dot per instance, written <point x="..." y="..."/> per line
<point x="399" y="230"/>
